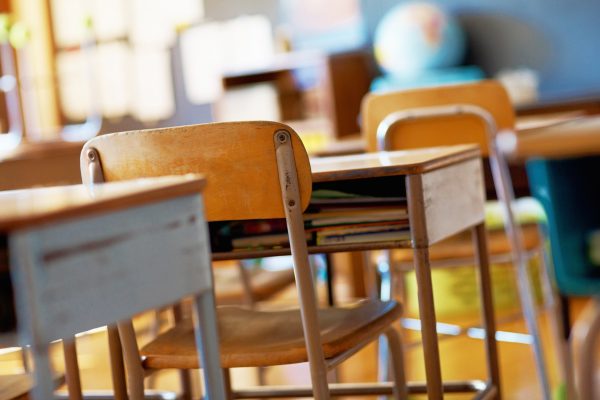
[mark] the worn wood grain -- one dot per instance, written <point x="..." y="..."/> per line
<point x="115" y="266"/>
<point x="236" y="158"/>
<point x="15" y="387"/>
<point x="390" y="163"/>
<point x="20" y="209"/>
<point x="454" y="199"/>
<point x="577" y="138"/>
<point x="263" y="338"/>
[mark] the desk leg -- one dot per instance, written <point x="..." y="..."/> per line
<point x="44" y="383"/>
<point x="420" y="244"/>
<point x="487" y="304"/>
<point x="585" y="336"/>
<point x="207" y="342"/>
<point x="117" y="369"/>
<point x="428" y="324"/>
<point x="72" y="369"/>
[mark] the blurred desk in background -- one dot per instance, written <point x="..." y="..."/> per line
<point x="587" y="105"/>
<point x="563" y="166"/>
<point x="41" y="164"/>
<point x="573" y="138"/>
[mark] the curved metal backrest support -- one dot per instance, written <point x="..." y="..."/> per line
<point x="500" y="171"/>
<point x="84" y="131"/>
<point x="502" y="183"/>
<point x="455" y="129"/>
<point x="395" y="119"/>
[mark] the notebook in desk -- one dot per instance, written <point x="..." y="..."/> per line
<point x="333" y="217"/>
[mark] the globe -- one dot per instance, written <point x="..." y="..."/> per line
<point x="418" y="36"/>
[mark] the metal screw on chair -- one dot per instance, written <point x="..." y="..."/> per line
<point x="281" y="137"/>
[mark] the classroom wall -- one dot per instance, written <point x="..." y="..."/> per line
<point x="558" y="38"/>
<point x="220" y="10"/>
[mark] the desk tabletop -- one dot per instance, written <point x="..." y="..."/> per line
<point x="404" y="162"/>
<point x="38" y="206"/>
<point x="574" y="138"/>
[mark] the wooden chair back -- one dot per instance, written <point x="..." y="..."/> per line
<point x="237" y="158"/>
<point x="438" y="131"/>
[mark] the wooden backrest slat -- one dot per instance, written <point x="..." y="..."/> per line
<point x="489" y="95"/>
<point x="237" y="159"/>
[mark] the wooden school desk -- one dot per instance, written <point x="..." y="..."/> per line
<point x="80" y="257"/>
<point x="445" y="195"/>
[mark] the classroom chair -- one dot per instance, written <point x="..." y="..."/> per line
<point x="15" y="387"/>
<point x="455" y="114"/>
<point x="255" y="170"/>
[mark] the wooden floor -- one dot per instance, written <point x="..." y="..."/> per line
<point x="462" y="358"/>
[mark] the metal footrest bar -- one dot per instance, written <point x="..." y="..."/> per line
<point x="483" y="390"/>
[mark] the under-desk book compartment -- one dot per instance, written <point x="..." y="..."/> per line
<point x="355" y="214"/>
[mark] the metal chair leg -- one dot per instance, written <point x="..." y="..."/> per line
<point x="385" y="294"/>
<point x="330" y="277"/>
<point x="185" y="378"/>
<point x="117" y="368"/>
<point x="134" y="370"/>
<point x="501" y="175"/>
<point x="398" y="375"/>
<point x="558" y="326"/>
<point x="72" y="369"/>
<point x="487" y="304"/>
<point x="227" y="380"/>
<point x="586" y="332"/>
<point x="524" y="286"/>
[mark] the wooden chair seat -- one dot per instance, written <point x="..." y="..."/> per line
<point x="261" y="338"/>
<point x="230" y="289"/>
<point x="18" y="386"/>
<point x="15" y="387"/>
<point x="460" y="247"/>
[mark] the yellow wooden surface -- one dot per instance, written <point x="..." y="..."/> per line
<point x="489" y="95"/>
<point x="250" y="338"/>
<point x="579" y="137"/>
<point x="22" y="208"/>
<point x="238" y="159"/>
<point x="390" y="163"/>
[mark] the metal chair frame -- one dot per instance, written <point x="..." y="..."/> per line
<point x="318" y="364"/>
<point x="505" y="193"/>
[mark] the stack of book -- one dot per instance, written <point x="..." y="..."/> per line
<point x="333" y="217"/>
<point x="339" y="217"/>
